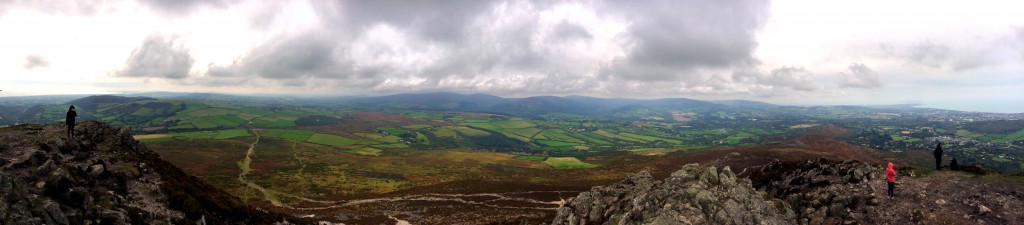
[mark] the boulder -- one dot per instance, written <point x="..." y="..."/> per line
<point x="96" y="171"/>
<point x="77" y="185"/>
<point x="54" y="211"/>
<point x="692" y="195"/>
<point x="113" y="217"/>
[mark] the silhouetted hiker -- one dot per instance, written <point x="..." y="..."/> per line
<point x="938" y="156"/>
<point x="953" y="165"/>
<point x="71" y="121"/>
<point x="890" y="177"/>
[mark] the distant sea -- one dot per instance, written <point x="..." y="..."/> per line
<point x="979" y="105"/>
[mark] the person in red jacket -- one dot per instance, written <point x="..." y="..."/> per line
<point x="890" y="177"/>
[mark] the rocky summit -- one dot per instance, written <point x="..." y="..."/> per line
<point x="104" y="176"/>
<point x="849" y="192"/>
<point x="692" y="195"/>
<point x="818" y="191"/>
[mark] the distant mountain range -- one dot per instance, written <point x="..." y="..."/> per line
<point x="539" y="105"/>
<point x="27" y="109"/>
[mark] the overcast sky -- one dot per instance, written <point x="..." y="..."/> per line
<point x="965" y="55"/>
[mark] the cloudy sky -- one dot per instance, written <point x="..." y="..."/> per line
<point x="966" y="55"/>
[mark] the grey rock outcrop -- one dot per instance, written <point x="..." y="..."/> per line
<point x="692" y="195"/>
<point x="822" y="191"/>
<point x="95" y="178"/>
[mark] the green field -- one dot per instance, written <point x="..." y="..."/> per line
<point x="904" y="139"/>
<point x="616" y="136"/>
<point x="1005" y="138"/>
<point x="649" y="138"/>
<point x="518" y="129"/>
<point x="225" y="134"/>
<point x="470" y="131"/>
<point x="366" y="151"/>
<point x="568" y="163"/>
<point x="703" y="132"/>
<point x="212" y="134"/>
<point x="486" y="126"/>
<point x="966" y="133"/>
<point x="213" y="111"/>
<point x="272" y="122"/>
<point x="531" y="157"/>
<point x="395" y="131"/>
<point x="522" y="132"/>
<point x="1000" y="159"/>
<point x="391" y="145"/>
<point x="331" y="140"/>
<point x="555" y="143"/>
<point x="215" y="121"/>
<point x="446" y="132"/>
<point x="557" y="135"/>
<point x="296" y="135"/>
<point x="736" y="138"/>
<point x="513" y="124"/>
<point x="591" y="138"/>
<point x="653" y="151"/>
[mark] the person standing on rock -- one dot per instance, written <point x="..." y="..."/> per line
<point x="890" y="178"/>
<point x="70" y="120"/>
<point x="938" y="156"/>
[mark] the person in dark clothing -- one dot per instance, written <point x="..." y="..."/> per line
<point x="71" y="121"/>
<point x="953" y="165"/>
<point x="938" y="156"/>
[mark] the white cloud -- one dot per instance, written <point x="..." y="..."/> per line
<point x="158" y="57"/>
<point x="785" y="51"/>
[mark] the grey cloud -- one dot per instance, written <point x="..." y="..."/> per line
<point x="265" y="15"/>
<point x="306" y="55"/>
<point x="786" y="77"/>
<point x="442" y="21"/>
<point x="860" y="76"/>
<point x="796" y="78"/>
<point x="507" y="47"/>
<point x="962" y="58"/>
<point x="976" y="53"/>
<point x="673" y="37"/>
<point x="158" y="57"/>
<point x="568" y="31"/>
<point x="308" y="61"/>
<point x="56" y="6"/>
<point x="325" y="53"/>
<point x="288" y="57"/>
<point x="1020" y="41"/>
<point x="34" y="61"/>
<point x="180" y="7"/>
<point x="928" y="54"/>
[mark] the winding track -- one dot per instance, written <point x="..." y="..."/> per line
<point x="244" y="166"/>
<point x="271" y="195"/>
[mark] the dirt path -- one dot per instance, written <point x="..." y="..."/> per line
<point x="470" y="199"/>
<point x="244" y="166"/>
<point x="506" y="200"/>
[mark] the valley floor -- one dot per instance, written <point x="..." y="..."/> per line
<point x="942" y="197"/>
